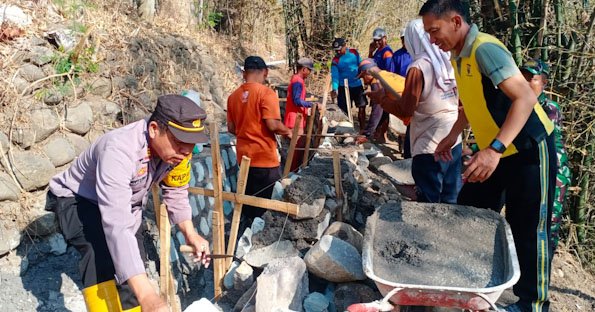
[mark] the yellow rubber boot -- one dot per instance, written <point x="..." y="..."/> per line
<point x="104" y="297"/>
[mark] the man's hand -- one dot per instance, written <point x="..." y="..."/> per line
<point x="201" y="249"/>
<point x="334" y="94"/>
<point x="371" y="48"/>
<point x="146" y="295"/>
<point x="153" y="303"/>
<point x="201" y="246"/>
<point x="377" y="96"/>
<point x="481" y="166"/>
<point x="443" y="150"/>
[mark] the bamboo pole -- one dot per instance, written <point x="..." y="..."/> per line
<point x="348" y="99"/>
<point x="309" y="134"/>
<point x="237" y="211"/>
<point x="292" y="144"/>
<point x="275" y="205"/>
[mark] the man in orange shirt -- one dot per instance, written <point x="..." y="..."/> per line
<point x="253" y="116"/>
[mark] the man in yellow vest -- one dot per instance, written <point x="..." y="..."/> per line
<point x="516" y="163"/>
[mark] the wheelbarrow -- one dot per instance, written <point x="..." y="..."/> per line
<point x="398" y="293"/>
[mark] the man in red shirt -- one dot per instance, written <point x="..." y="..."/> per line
<point x="253" y="116"/>
<point x="297" y="104"/>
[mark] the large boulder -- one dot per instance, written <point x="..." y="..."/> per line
<point x="104" y="111"/>
<point x="308" y="193"/>
<point x="101" y="86"/>
<point x="42" y="222"/>
<point x="346" y="233"/>
<point x="303" y="232"/>
<point x="40" y="55"/>
<point x="282" y="285"/>
<point x="243" y="277"/>
<point x="43" y="121"/>
<point x="79" y="118"/>
<point x="10" y="237"/>
<point x="335" y="260"/>
<point x="31" y="72"/>
<point x="79" y="143"/>
<point x="59" y="151"/>
<point x="33" y="171"/>
<point x="350" y="293"/>
<point x="316" y="302"/>
<point x="8" y="189"/>
<point x="262" y="256"/>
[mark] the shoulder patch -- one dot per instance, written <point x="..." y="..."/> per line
<point x="179" y="175"/>
<point x="354" y="51"/>
<point x="335" y="60"/>
<point x="387" y="54"/>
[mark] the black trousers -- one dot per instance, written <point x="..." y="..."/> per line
<point x="261" y="182"/>
<point x="525" y="182"/>
<point x="80" y="223"/>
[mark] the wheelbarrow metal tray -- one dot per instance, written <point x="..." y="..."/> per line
<point x="471" y="296"/>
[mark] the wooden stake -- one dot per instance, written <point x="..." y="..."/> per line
<point x="218" y="216"/>
<point x="275" y="205"/>
<point x="237" y="210"/>
<point x="322" y="126"/>
<point x="292" y="144"/>
<point x="156" y="203"/>
<point x="338" y="184"/>
<point x="309" y="99"/>
<point x="348" y="99"/>
<point x="218" y="264"/>
<point x="309" y="134"/>
<point x="164" y="253"/>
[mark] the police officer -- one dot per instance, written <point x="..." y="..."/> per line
<point x="99" y="202"/>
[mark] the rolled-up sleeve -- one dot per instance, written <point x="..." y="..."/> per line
<point x="114" y="172"/>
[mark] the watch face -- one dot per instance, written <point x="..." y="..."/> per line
<point x="498" y="146"/>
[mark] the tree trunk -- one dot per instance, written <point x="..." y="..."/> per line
<point x="146" y="10"/>
<point x="179" y="10"/>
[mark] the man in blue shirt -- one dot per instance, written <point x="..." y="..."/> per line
<point x="401" y="58"/>
<point x="382" y="54"/>
<point x="345" y="66"/>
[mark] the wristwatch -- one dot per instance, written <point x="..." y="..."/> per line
<point x="498" y="146"/>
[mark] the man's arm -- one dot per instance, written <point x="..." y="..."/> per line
<point x="277" y="127"/>
<point x="175" y="195"/>
<point x="335" y="74"/>
<point x="523" y="101"/>
<point x="443" y="150"/>
<point x="231" y="127"/>
<point x="406" y="105"/>
<point x="296" y="92"/>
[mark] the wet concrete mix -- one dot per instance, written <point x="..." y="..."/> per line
<point x="438" y="245"/>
